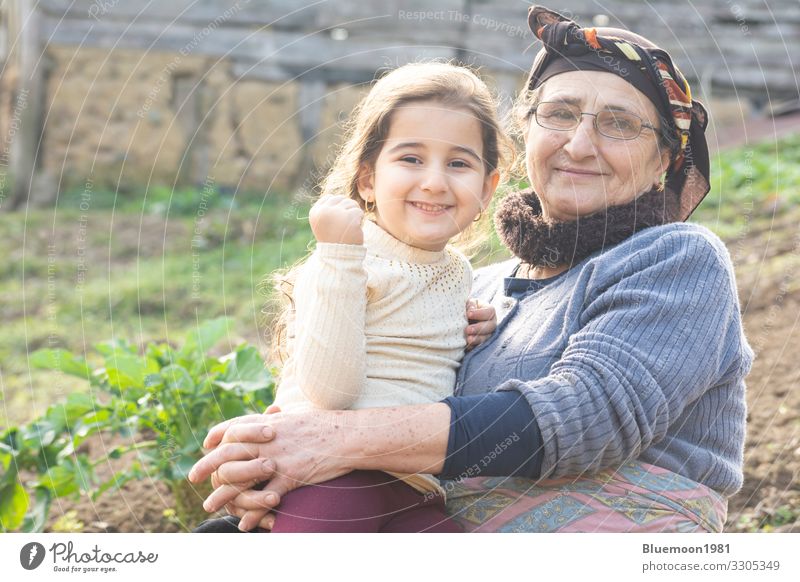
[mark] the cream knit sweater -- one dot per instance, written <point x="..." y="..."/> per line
<point x="376" y="325"/>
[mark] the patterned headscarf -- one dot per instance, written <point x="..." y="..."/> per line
<point x="569" y="47"/>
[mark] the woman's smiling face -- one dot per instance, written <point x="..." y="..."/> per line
<point x="579" y="172"/>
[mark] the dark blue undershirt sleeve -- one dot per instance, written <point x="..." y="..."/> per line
<point x="492" y="435"/>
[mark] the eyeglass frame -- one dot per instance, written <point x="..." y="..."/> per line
<point x="533" y="109"/>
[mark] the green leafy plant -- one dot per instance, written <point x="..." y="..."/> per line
<point x="165" y="400"/>
<point x="750" y="182"/>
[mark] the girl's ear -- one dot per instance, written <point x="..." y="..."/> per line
<point x="489" y="186"/>
<point x="365" y="182"/>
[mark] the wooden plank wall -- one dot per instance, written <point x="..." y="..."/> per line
<point x="743" y="45"/>
<point x="309" y="54"/>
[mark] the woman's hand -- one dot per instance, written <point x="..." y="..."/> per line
<point x="251" y="512"/>
<point x="290" y="450"/>
<point x="251" y="518"/>
<point x="337" y="219"/>
<point x="482" y="323"/>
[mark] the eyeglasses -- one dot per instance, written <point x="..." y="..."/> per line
<point x="560" y="116"/>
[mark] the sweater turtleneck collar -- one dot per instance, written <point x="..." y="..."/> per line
<point x="385" y="245"/>
<point x="542" y="243"/>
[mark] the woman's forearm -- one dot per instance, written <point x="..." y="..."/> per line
<point x="489" y="434"/>
<point x="406" y="439"/>
<point x="292" y="450"/>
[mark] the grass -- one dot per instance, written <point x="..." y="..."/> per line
<point x="751" y="185"/>
<point x="769" y="520"/>
<point x="78" y="277"/>
<point x="151" y="266"/>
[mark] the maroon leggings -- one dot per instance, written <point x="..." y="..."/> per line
<point x="365" y="502"/>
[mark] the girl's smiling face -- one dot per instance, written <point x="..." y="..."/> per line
<point x="579" y="172"/>
<point x="429" y="181"/>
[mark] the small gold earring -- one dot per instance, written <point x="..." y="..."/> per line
<point x="480" y="215"/>
<point x="367" y="206"/>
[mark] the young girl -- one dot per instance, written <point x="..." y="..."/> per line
<point x="379" y="308"/>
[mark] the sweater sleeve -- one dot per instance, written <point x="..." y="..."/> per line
<point x="492" y="435"/>
<point x="656" y="331"/>
<point x="330" y="297"/>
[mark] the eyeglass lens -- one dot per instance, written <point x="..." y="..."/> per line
<point x="564" y="116"/>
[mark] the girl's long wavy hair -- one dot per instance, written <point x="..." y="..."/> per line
<point x="453" y="86"/>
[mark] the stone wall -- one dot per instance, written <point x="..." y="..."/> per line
<point x="134" y="118"/>
<point x="128" y="119"/>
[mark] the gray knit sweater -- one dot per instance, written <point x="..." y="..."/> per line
<point x="638" y="352"/>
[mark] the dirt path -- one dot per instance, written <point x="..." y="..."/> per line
<point x="769" y="287"/>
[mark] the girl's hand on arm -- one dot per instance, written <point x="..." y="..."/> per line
<point x="337" y="219"/>
<point x="482" y="323"/>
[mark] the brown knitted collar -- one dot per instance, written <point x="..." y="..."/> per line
<point x="543" y="243"/>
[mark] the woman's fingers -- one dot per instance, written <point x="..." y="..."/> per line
<point x="214" y="436"/>
<point x="225" y="494"/>
<point x="240" y="496"/>
<point x="253" y="518"/>
<point x="239" y="441"/>
<point x="256" y="518"/>
<point x="279" y="486"/>
<point x="238" y="472"/>
<point x="251" y="471"/>
<point x="249" y="433"/>
<point x="236" y="451"/>
<point x="253" y="507"/>
<point x="221" y="496"/>
<point x="252" y="499"/>
<point x="267" y="522"/>
<point x="250" y="519"/>
<point x="246" y="499"/>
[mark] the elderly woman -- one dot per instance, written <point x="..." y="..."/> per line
<point x="611" y="395"/>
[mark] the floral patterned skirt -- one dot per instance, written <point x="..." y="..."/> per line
<point x="636" y="497"/>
